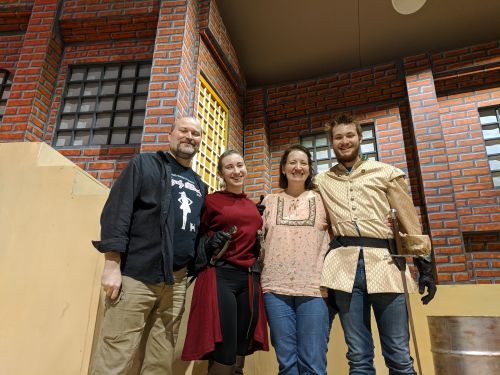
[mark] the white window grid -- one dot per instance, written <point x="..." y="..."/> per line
<point x="490" y="124"/>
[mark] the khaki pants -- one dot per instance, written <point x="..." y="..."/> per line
<point x="153" y="309"/>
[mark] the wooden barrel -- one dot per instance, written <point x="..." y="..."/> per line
<point x="465" y="345"/>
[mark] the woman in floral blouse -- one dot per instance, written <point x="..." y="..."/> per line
<point x="296" y="240"/>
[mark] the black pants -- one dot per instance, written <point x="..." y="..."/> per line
<point x="234" y="313"/>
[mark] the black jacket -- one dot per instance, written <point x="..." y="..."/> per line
<point x="138" y="220"/>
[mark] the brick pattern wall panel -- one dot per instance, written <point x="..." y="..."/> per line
<point x="14" y="16"/>
<point x="10" y="49"/>
<point x="173" y="66"/>
<point x="478" y="202"/>
<point x="106" y="8"/>
<point x="483" y="257"/>
<point x="219" y="31"/>
<point x="335" y="93"/>
<point x="91" y="21"/>
<point x="435" y="171"/>
<point x="187" y="69"/>
<point x="36" y="72"/>
<point x="258" y="156"/>
<point x="468" y="58"/>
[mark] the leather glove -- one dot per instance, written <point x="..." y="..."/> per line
<point x="425" y="279"/>
<point x="260" y="206"/>
<point x="217" y="242"/>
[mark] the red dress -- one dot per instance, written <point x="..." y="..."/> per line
<point x="223" y="210"/>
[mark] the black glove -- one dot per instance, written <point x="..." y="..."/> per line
<point x="260" y="206"/>
<point x="217" y="242"/>
<point x="425" y="279"/>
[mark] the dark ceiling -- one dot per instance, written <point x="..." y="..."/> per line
<point x="286" y="40"/>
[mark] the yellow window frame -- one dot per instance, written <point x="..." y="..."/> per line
<point x="213" y="116"/>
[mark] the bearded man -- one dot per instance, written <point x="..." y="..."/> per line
<point x="149" y="243"/>
<point x="358" y="271"/>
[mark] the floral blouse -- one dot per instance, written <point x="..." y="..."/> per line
<point x="295" y="243"/>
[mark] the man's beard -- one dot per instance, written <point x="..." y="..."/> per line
<point x="185" y="150"/>
<point x="348" y="158"/>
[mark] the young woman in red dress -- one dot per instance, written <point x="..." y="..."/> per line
<point x="227" y="318"/>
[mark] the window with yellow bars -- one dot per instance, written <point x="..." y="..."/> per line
<point x="213" y="116"/>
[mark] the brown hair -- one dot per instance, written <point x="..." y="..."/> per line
<point x="342" y="119"/>
<point x="308" y="183"/>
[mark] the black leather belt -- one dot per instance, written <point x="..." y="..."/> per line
<point x="343" y="241"/>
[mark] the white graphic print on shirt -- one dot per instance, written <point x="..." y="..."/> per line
<point x="185" y="187"/>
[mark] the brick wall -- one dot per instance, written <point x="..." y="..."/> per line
<point x="483" y="257"/>
<point x="33" y="84"/>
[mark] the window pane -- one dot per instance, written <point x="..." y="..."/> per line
<point x="321" y="154"/>
<point x="6" y="92"/>
<point x="94" y="73"/>
<point x="103" y="120"/>
<point x="321" y="141"/>
<point x="70" y="105"/>
<point x="493" y="148"/>
<point x="84" y="121"/>
<point x="123" y="102"/>
<point x="138" y="119"/>
<point x="128" y="71"/>
<point x="3" y="104"/>
<point x="111" y="72"/>
<point x="100" y="137"/>
<point x="145" y="70"/>
<point x="77" y="74"/>
<point x="81" y="138"/>
<point x="142" y="86"/>
<point x="135" y="136"/>
<point x="90" y="89"/>
<point x="491" y="131"/>
<point x="108" y="88"/>
<point x="121" y="119"/>
<point x="367" y="134"/>
<point x="118" y="136"/>
<point x="495" y="163"/>
<point x="126" y="87"/>
<point x="74" y="89"/>
<point x="140" y="102"/>
<point x="496" y="180"/>
<point x="67" y="122"/>
<point x="63" y="139"/>
<point x="88" y="105"/>
<point x="488" y="116"/>
<point x="323" y="166"/>
<point x="105" y="104"/>
<point x="367" y="147"/>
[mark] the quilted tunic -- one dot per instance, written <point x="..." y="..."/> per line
<point x="358" y="203"/>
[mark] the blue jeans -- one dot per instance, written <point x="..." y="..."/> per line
<point x="300" y="328"/>
<point x="392" y="321"/>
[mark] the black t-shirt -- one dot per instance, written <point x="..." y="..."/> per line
<point x="187" y="201"/>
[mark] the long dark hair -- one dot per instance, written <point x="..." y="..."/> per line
<point x="309" y="185"/>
